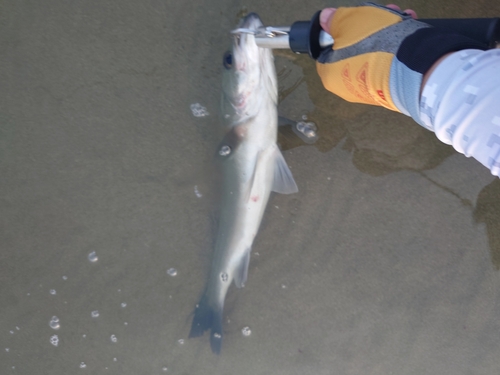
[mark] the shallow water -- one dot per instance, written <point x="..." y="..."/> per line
<point x="386" y="261"/>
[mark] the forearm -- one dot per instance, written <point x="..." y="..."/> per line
<point x="431" y="70"/>
<point x="460" y="102"/>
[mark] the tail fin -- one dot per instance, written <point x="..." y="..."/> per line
<point x="208" y="318"/>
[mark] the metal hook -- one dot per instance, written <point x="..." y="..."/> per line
<point x="272" y="32"/>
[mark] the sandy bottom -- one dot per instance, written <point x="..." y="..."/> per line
<point x="384" y="262"/>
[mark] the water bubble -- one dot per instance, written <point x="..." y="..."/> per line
<point x="181" y="341"/>
<point x="225" y="150"/>
<point x="307" y="131"/>
<point x="283" y="286"/>
<point x="18" y="328"/>
<point x="123" y="304"/>
<point x="304" y="117"/>
<point x="11" y="332"/>
<point x="246" y="331"/>
<point x="113" y="338"/>
<point x="84" y="335"/>
<point x="93" y="257"/>
<point x="54" y="323"/>
<point x="54" y="340"/>
<point x="83" y="365"/>
<point x="217" y="335"/>
<point x="7" y="350"/>
<point x="172" y="272"/>
<point x="164" y="369"/>
<point x="115" y="359"/>
<point x="65" y="277"/>
<point x="307" y="128"/>
<point x="224" y="276"/>
<point x="197" y="192"/>
<point x="198" y="110"/>
<point x="125" y="323"/>
<point x="94" y="314"/>
<point x="53" y="292"/>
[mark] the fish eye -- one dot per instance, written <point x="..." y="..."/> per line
<point x="227" y="60"/>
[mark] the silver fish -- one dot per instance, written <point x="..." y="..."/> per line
<point x="252" y="166"/>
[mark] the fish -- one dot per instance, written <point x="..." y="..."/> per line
<point x="252" y="166"/>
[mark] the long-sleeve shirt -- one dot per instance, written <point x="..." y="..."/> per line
<point x="461" y="104"/>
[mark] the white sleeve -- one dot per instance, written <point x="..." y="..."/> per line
<point x="461" y="104"/>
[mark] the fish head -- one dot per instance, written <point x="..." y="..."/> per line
<point x="249" y="73"/>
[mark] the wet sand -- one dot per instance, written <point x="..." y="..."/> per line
<point x="386" y="261"/>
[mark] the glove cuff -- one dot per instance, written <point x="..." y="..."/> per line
<point x="420" y="50"/>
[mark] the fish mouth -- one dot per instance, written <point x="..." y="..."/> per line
<point x="246" y="30"/>
<point x="251" y="21"/>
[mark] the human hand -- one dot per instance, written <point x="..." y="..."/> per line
<point x="380" y="55"/>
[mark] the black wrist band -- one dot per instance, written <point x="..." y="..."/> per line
<point x="420" y="50"/>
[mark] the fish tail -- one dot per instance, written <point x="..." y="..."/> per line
<point x="206" y="317"/>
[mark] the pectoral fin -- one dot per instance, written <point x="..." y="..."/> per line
<point x="229" y="144"/>
<point x="241" y="274"/>
<point x="283" y="180"/>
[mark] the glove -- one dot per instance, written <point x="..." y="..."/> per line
<point x="380" y="55"/>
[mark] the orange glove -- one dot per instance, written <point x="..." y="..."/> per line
<point x="380" y="54"/>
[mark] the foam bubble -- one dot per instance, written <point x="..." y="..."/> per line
<point x="93" y="257"/>
<point x="198" y="110"/>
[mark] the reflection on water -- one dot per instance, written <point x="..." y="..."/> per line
<point x="487" y="211"/>
<point x="381" y="142"/>
<point x="382" y="263"/>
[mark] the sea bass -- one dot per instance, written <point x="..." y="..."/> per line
<point x="252" y="167"/>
